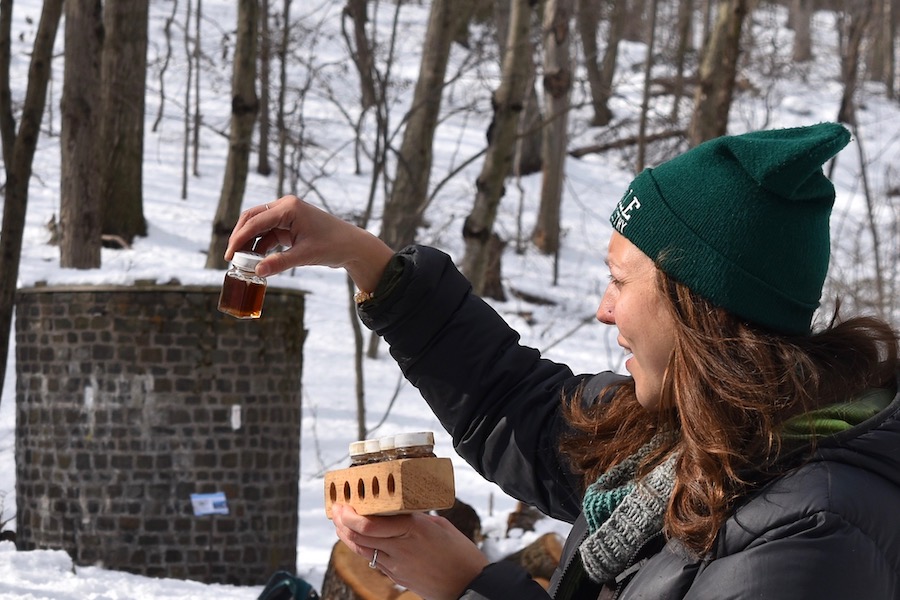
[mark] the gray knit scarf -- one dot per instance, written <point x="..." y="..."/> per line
<point x="622" y="513"/>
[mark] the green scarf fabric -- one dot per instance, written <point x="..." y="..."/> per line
<point x="836" y="418"/>
<point x="623" y="513"/>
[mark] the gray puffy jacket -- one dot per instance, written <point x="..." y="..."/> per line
<point x="828" y="529"/>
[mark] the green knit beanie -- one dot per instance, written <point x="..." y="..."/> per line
<point x="743" y="221"/>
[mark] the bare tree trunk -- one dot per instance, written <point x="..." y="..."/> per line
<point x="854" y="31"/>
<point x="382" y="145"/>
<point x="198" y="72"/>
<point x="600" y="75"/>
<point x="185" y="145"/>
<point x="507" y="103"/>
<point x="403" y="212"/>
<point x="167" y="32"/>
<point x="360" y="50"/>
<point x="530" y="133"/>
<point x="557" y="87"/>
<point x="800" y="20"/>
<point x="708" y="10"/>
<point x="587" y="17"/>
<point x="282" y="90"/>
<point x="244" y="106"/>
<point x="265" y="66"/>
<point x="634" y="27"/>
<point x="890" y="25"/>
<point x="618" y="14"/>
<point x="123" y="87"/>
<point x="645" y="100"/>
<point x="18" y="151"/>
<point x="879" y="55"/>
<point x="359" y="369"/>
<point x="79" y="198"/>
<point x="685" y="27"/>
<point x="718" y="71"/>
<point x="880" y="273"/>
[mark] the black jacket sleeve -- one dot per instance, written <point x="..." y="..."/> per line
<point x="499" y="400"/>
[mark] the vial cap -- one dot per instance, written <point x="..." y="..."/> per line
<point x="419" y="438"/>
<point x="357" y="448"/>
<point x="246" y="260"/>
<point x="386" y="442"/>
<point x="372" y="446"/>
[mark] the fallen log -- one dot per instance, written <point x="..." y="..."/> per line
<point x="348" y="577"/>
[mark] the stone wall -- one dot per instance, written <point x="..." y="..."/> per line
<point x="131" y="399"/>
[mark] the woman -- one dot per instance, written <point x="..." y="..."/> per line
<point x="746" y="456"/>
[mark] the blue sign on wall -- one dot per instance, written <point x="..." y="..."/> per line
<point x="209" y="504"/>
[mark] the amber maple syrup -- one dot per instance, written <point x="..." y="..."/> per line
<point x="243" y="291"/>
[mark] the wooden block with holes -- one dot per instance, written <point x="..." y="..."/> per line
<point x="392" y="487"/>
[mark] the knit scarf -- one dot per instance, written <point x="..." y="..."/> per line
<point x="623" y="514"/>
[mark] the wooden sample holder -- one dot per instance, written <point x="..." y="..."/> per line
<point x="392" y="487"/>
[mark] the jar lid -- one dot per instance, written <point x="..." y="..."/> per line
<point x="246" y="260"/>
<point x="419" y="438"/>
<point x="386" y="442"/>
<point x="357" y="448"/>
<point x="372" y="446"/>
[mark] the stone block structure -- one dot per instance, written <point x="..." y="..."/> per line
<point x="131" y="399"/>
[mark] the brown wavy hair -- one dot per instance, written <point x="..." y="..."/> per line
<point x="726" y="391"/>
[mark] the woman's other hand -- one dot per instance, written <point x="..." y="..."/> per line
<point x="423" y="553"/>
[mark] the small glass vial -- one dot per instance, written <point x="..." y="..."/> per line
<point x="388" y="450"/>
<point x="365" y="452"/>
<point x="358" y="454"/>
<point x="373" y="449"/>
<point x="243" y="290"/>
<point x="414" y="445"/>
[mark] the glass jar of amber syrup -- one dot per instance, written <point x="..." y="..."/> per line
<point x="365" y="452"/>
<point x="243" y="290"/>
<point x="414" y="445"/>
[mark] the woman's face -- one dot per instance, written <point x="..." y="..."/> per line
<point x="634" y="304"/>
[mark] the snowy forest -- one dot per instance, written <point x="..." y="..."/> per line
<point x="502" y="131"/>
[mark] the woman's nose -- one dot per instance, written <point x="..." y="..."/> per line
<point x="605" y="310"/>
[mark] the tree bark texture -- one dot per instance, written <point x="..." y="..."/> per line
<point x="403" y="212"/>
<point x="529" y="136"/>
<point x="856" y="24"/>
<point x="718" y="71"/>
<point x="79" y="186"/>
<point x="21" y="155"/>
<point x="7" y="122"/>
<point x="880" y="47"/>
<point x="244" y="106"/>
<point x="280" y="125"/>
<point x="800" y="19"/>
<point x="195" y="57"/>
<point x="507" y="102"/>
<point x="557" y="88"/>
<point x="648" y="76"/>
<point x="123" y="87"/>
<point x="361" y="51"/>
<point x="685" y="27"/>
<point x="265" y="68"/>
<point x="599" y="77"/>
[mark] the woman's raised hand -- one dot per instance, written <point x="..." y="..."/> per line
<point x="310" y="236"/>
<point x="423" y="553"/>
